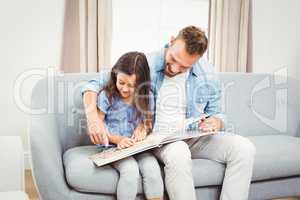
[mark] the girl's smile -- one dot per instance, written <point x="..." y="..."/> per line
<point x="126" y="85"/>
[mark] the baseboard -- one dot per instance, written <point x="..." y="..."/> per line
<point x="27" y="160"/>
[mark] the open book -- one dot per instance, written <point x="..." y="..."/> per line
<point x="152" y="141"/>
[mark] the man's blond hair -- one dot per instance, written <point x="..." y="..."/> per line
<point x="195" y="40"/>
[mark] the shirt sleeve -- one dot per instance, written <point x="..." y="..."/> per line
<point x="151" y="102"/>
<point x="103" y="102"/>
<point x="96" y="84"/>
<point x="214" y="106"/>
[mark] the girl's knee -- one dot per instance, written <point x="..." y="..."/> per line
<point x="151" y="171"/>
<point x="147" y="160"/>
<point x="129" y="177"/>
<point x="128" y="168"/>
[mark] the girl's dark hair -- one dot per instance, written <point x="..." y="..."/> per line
<point x="134" y="63"/>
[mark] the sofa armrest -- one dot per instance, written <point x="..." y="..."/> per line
<point x="47" y="164"/>
<point x="12" y="164"/>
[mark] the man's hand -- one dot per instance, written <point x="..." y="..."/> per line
<point x="139" y="133"/>
<point x="211" y="124"/>
<point x="125" y="143"/>
<point x="94" y="131"/>
<point x="94" y="118"/>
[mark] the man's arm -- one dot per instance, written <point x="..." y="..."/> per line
<point x="216" y="121"/>
<point x="90" y="92"/>
<point x="93" y="118"/>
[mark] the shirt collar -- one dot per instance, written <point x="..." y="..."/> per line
<point x="160" y="62"/>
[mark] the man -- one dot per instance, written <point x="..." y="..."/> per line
<point x="185" y="86"/>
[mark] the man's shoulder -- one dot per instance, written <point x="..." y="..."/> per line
<point x="154" y="55"/>
<point x="205" y="70"/>
<point x="155" y="59"/>
<point x="205" y="66"/>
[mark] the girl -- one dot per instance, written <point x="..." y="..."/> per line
<point x="125" y="108"/>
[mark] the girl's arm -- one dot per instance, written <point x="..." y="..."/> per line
<point x="114" y="139"/>
<point x="120" y="141"/>
<point x="139" y="133"/>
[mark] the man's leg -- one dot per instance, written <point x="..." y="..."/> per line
<point x="178" y="170"/>
<point x="236" y="152"/>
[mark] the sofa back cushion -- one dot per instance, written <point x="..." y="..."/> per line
<point x="260" y="104"/>
<point x="254" y="104"/>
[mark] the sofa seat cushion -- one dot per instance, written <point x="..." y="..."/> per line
<point x="276" y="157"/>
<point x="83" y="176"/>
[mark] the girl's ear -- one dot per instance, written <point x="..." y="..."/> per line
<point x="172" y="40"/>
<point x="114" y="77"/>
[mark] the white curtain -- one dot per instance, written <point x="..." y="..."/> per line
<point x="228" y="34"/>
<point x="95" y="30"/>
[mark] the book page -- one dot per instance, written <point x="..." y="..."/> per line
<point x="113" y="154"/>
<point x="187" y="135"/>
<point x="151" y="141"/>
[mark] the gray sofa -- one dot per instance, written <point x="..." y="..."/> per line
<point x="262" y="107"/>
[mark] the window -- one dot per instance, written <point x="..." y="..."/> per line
<point x="143" y="25"/>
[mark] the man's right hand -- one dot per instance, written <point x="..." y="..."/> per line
<point x="94" y="119"/>
<point x="94" y="131"/>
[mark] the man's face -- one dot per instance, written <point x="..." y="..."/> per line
<point x="177" y="58"/>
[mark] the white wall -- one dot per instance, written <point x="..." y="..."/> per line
<point x="276" y="31"/>
<point x="31" y="37"/>
<point x="155" y="25"/>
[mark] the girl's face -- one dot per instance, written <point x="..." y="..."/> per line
<point x="126" y="85"/>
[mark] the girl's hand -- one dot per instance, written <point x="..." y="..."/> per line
<point x="125" y="143"/>
<point x="139" y="133"/>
